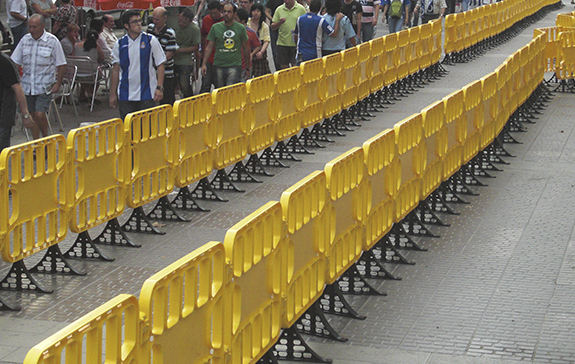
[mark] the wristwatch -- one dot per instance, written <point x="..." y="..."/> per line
<point x="160" y="88"/>
<point x="26" y="116"/>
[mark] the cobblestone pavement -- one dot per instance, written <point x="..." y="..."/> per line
<point x="498" y="286"/>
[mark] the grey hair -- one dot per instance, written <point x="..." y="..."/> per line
<point x="39" y="17"/>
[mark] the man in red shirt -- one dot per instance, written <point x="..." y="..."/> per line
<point x="214" y="16"/>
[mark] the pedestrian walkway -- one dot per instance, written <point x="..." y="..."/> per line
<point x="494" y="288"/>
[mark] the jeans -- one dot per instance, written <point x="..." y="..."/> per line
<point x="464" y="5"/>
<point x="366" y="32"/>
<point x="207" y="80"/>
<point x="394" y="24"/>
<point x="5" y="132"/>
<point x="227" y="76"/>
<point x="183" y="74"/>
<point x="127" y="107"/>
<point x="169" y="91"/>
<point x="18" y="32"/>
<point x="274" y="41"/>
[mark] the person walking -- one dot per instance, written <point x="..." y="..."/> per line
<point x="311" y="29"/>
<point x="346" y="32"/>
<point x="167" y="38"/>
<point x="188" y="39"/>
<point x="397" y="12"/>
<point x="284" y="20"/>
<point x="369" y="18"/>
<point x="17" y="14"/>
<point x="431" y="9"/>
<point x="214" y="16"/>
<point x="260" y="63"/>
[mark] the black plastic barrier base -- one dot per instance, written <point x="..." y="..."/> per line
<point x="369" y="267"/>
<point x="308" y="141"/>
<point x="268" y="358"/>
<point x="185" y="201"/>
<point x="352" y="282"/>
<point x="435" y="202"/>
<point x="84" y="248"/>
<point x="269" y="159"/>
<point x="412" y="225"/>
<point x="334" y="302"/>
<point x="115" y="236"/>
<point x="223" y="182"/>
<point x="240" y="174"/>
<point x="294" y="146"/>
<point x="399" y="237"/>
<point x="139" y="222"/>
<point x="385" y="251"/>
<point x="314" y="322"/>
<point x="427" y="215"/>
<point x="19" y="278"/>
<point x="255" y="166"/>
<point x="54" y="262"/>
<point x="205" y="191"/>
<point x="164" y="211"/>
<point x="4" y="306"/>
<point x="292" y="346"/>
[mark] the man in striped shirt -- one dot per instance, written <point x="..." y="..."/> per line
<point x="167" y="38"/>
<point x="369" y="18"/>
<point x="309" y="32"/>
<point x="134" y="83"/>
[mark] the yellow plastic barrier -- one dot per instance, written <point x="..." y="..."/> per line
<point x="332" y="75"/>
<point x="403" y="54"/>
<point x="436" y="35"/>
<point x="515" y="81"/>
<point x="310" y="228"/>
<point x="378" y="64"/>
<point x="383" y="174"/>
<point x="451" y="34"/>
<point x="232" y="125"/>
<point x="435" y="134"/>
<point x="109" y="334"/>
<point x="351" y="76"/>
<point x="467" y="28"/>
<point x="263" y="112"/>
<point x="456" y="128"/>
<point x="257" y="252"/>
<point x="551" y="46"/>
<point x="411" y="152"/>
<point x="197" y="137"/>
<point x="565" y="20"/>
<point x="473" y="117"/>
<point x="365" y="69"/>
<point x="414" y="50"/>
<point x="426" y="46"/>
<point x="566" y="69"/>
<point x="97" y="154"/>
<point x="313" y="80"/>
<point x="188" y="310"/>
<point x="391" y="59"/>
<point x="292" y="100"/>
<point x="460" y="32"/>
<point x="490" y="107"/>
<point x="35" y="217"/>
<point x="152" y="174"/>
<point x="503" y="89"/>
<point x="351" y="203"/>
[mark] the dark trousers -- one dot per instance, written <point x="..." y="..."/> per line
<point x="127" y="107"/>
<point x="427" y="17"/>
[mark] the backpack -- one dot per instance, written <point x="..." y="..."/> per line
<point x="396" y="9"/>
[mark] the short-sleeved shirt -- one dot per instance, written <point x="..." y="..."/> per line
<point x="16" y="6"/>
<point x="39" y="59"/>
<point x="67" y="46"/>
<point x="186" y="37"/>
<point x="66" y="14"/>
<point x="167" y="38"/>
<point x="228" y="43"/>
<point x="310" y="29"/>
<point x="207" y="24"/>
<point x="138" y="59"/>
<point x="351" y="10"/>
<point x="109" y="37"/>
<point x="263" y="32"/>
<point x="285" y="36"/>
<point x="404" y="3"/>
<point x="346" y="31"/>
<point x="273" y="5"/>
<point x="434" y="8"/>
<point x="44" y="5"/>
<point x="8" y="78"/>
<point x="368" y="10"/>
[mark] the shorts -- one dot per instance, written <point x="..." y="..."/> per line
<point x="38" y="103"/>
<point x="286" y="55"/>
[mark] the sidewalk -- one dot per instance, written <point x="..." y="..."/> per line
<point x="495" y="288"/>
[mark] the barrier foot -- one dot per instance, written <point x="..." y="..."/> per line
<point x="448" y="194"/>
<point x="313" y="322"/>
<point x="514" y="125"/>
<point x="507" y="138"/>
<point x="458" y="186"/>
<point x="369" y="267"/>
<point x="436" y="203"/>
<point x="499" y="149"/>
<point x="185" y="201"/>
<point x="294" y="146"/>
<point x="254" y="166"/>
<point x="269" y="159"/>
<point x="19" y="278"/>
<point x="308" y="141"/>
<point x="390" y="254"/>
<point x="318" y="134"/>
<point x="222" y="182"/>
<point x="4" y="306"/>
<point x="114" y="235"/>
<point x="138" y="222"/>
<point x="240" y="174"/>
<point x="268" y="358"/>
<point x="334" y="302"/>
<point x="479" y="167"/>
<point x="427" y="215"/>
<point x="351" y="282"/>
<point x="164" y="211"/>
<point x="292" y="346"/>
<point x="329" y="126"/>
<point x="484" y="162"/>
<point x="399" y="238"/>
<point x="412" y="225"/>
<point x="344" y="119"/>
<point x="281" y="152"/>
<point x="205" y="191"/>
<point x="85" y="248"/>
<point x="54" y="262"/>
<point x="468" y="178"/>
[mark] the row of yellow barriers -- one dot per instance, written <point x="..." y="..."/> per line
<point x="228" y="303"/>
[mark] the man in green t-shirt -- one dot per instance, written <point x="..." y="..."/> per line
<point x="285" y="19"/>
<point x="228" y="38"/>
<point x="188" y="40"/>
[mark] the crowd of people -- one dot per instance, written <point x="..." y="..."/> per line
<point x="223" y="41"/>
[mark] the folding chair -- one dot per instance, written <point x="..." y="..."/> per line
<point x="88" y="71"/>
<point x="66" y="90"/>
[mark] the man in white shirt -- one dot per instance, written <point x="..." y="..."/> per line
<point x="17" y="12"/>
<point x="43" y="64"/>
<point x="108" y="31"/>
<point x="134" y="83"/>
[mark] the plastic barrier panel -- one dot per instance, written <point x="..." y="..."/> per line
<point x="365" y="68"/>
<point x="32" y="221"/>
<point x="292" y="99"/>
<point x="384" y="176"/>
<point x="456" y="129"/>
<point x="314" y="82"/>
<point x="460" y="32"/>
<point x="378" y="64"/>
<point x="566" y="55"/>
<point x="503" y="88"/>
<point x="188" y="308"/>
<point x="551" y="46"/>
<point x="264" y="110"/>
<point x="473" y="118"/>
<point x="411" y="152"/>
<point x="332" y="75"/>
<point x="451" y="35"/>
<point x="436" y="35"/>
<point x="467" y="28"/>
<point x="490" y="108"/>
<point x="257" y="251"/>
<point x="565" y="20"/>
<point x="426" y="46"/>
<point x="197" y="137"/>
<point x="435" y="134"/>
<point x="232" y="125"/>
<point x="152" y="174"/>
<point x="391" y="59"/>
<point x="98" y="174"/>
<point x="351" y="76"/>
<point x="351" y="201"/>
<point x="403" y="54"/>
<point x="311" y="229"/>
<point x="414" y="50"/>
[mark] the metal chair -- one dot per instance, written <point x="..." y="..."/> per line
<point x="88" y="71"/>
<point x="67" y="90"/>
